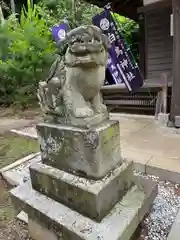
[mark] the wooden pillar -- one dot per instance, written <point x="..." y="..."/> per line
<point x="142" y="45"/>
<point x="175" y="99"/>
<point x="12" y="3"/>
<point x="2" y="21"/>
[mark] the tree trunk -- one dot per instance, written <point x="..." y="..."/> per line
<point x="13" y="6"/>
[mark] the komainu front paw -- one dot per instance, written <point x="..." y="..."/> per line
<point x="101" y="108"/>
<point x="83" y="112"/>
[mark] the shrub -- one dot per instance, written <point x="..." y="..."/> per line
<point x="26" y="52"/>
<point x="27" y="49"/>
<point x="77" y="12"/>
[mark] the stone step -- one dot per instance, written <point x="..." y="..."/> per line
<point x="93" y="198"/>
<point x="22" y="216"/>
<point x="174" y="233"/>
<point x="18" y="172"/>
<point x="119" y="224"/>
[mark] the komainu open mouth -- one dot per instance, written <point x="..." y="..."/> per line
<point x="83" y="48"/>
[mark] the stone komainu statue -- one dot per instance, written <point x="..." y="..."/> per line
<point x="74" y="82"/>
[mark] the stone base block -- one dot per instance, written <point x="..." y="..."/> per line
<point x="38" y="231"/>
<point x="89" y="152"/>
<point x="163" y="118"/>
<point x="177" y="121"/>
<point x="93" y="198"/>
<point x="65" y="223"/>
<point x="174" y="232"/>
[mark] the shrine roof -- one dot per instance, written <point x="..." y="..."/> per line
<point x="127" y="8"/>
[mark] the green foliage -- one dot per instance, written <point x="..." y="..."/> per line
<point x="26" y="50"/>
<point x="130" y="31"/>
<point x="77" y="12"/>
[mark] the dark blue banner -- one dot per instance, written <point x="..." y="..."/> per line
<point x="59" y="32"/>
<point x="121" y="64"/>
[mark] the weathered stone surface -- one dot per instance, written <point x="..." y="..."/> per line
<point x="89" y="197"/>
<point x="87" y="122"/>
<point x="174" y="233"/>
<point x="87" y="152"/>
<point x="150" y="189"/>
<point x="39" y="232"/>
<point x="72" y="89"/>
<point x="18" y="172"/>
<point x="23" y="217"/>
<point x="163" y="118"/>
<point x="77" y="122"/>
<point x="177" y="121"/>
<point x="119" y="224"/>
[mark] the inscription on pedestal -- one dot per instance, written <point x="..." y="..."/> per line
<point x="88" y="152"/>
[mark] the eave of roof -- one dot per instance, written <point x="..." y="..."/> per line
<point x="127" y="8"/>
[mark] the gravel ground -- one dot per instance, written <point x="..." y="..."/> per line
<point x="157" y="224"/>
<point x="15" y="231"/>
<point x="10" y="228"/>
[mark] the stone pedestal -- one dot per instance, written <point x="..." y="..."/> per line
<point x="83" y="189"/>
<point x="92" y="198"/>
<point x="89" y="152"/>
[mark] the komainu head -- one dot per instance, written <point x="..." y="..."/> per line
<point x="86" y="46"/>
